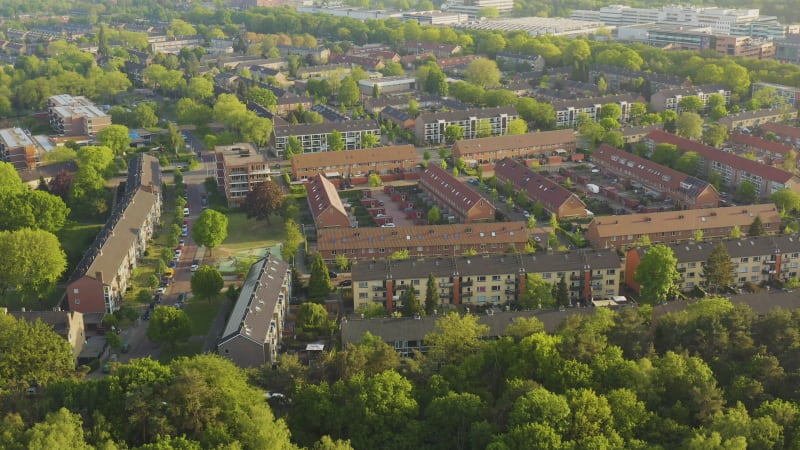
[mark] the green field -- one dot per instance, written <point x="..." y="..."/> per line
<point x="202" y="313"/>
<point x="245" y="234"/>
<point x="75" y="238"/>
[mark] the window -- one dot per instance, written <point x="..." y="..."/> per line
<point x="611" y="272"/>
<point x="382" y="250"/>
<point x="76" y="291"/>
<point x="692" y="265"/>
<point x="744" y="260"/>
<point x="690" y="275"/>
<point x="363" y="295"/>
<point x="547" y="275"/>
<point x="77" y="301"/>
<point x="333" y="252"/>
<point x="495" y="298"/>
<point x="481" y="298"/>
<point x="495" y="277"/>
<point x="481" y="289"/>
<point x="481" y="278"/>
<point x="415" y="282"/>
<point x="610" y="282"/>
<point x="743" y="270"/>
<point x="495" y="288"/>
<point x="756" y="259"/>
<point x="363" y="284"/>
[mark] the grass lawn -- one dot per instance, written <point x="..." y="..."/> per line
<point x="190" y="348"/>
<point x="202" y="313"/>
<point x="244" y="233"/>
<point x="75" y="238"/>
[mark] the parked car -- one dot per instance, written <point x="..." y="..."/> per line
<point x="333" y="273"/>
<point x="162" y="290"/>
<point x="185" y="212"/>
<point x="388" y="225"/>
<point x="194" y="267"/>
<point x="346" y="283"/>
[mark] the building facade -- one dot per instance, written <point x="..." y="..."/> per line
<point x="430" y="128"/>
<point x="325" y="204"/>
<point x="255" y="328"/>
<point x="240" y="167"/>
<point x="555" y="198"/>
<point x="670" y="98"/>
<point x="392" y="159"/>
<point x="75" y="116"/>
<point x="454" y="197"/>
<point x="19" y="148"/>
<point x="491" y="280"/>
<point x="522" y="146"/>
<point x="314" y="137"/>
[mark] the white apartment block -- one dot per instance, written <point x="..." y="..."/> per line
<point x="431" y="128"/>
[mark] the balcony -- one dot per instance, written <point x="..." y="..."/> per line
<point x="574" y="277"/>
<point x="681" y="269"/>
<point x="378" y="288"/>
<point x="512" y="281"/>
<point x="769" y="271"/>
<point x="467" y="294"/>
<point x="446" y="285"/>
<point x="466" y="283"/>
<point x="769" y="261"/>
<point x="510" y="291"/>
<point x="597" y="277"/>
<point x="378" y="296"/>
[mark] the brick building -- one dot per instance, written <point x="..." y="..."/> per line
<point x="454" y="197"/>
<point x="555" y="198"/>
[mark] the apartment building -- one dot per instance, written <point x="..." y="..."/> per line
<point x="522" y="146"/>
<point x="767" y="150"/>
<point x="670" y="98"/>
<point x="239" y="168"/>
<point x="255" y="327"/>
<point x="19" y="148"/>
<point x="745" y="46"/>
<point x="790" y="94"/>
<point x="685" y="191"/>
<point x="787" y="49"/>
<point x="789" y="135"/>
<point x="325" y="204"/>
<point x="319" y="53"/>
<point x="422" y="240"/>
<point x="621" y="79"/>
<point x="555" y="198"/>
<point x="431" y="127"/>
<point x="392" y="159"/>
<point x="679" y="226"/>
<point x="437" y="49"/>
<point x="750" y="119"/>
<point x="569" y="111"/>
<point x="489" y="280"/>
<point x="165" y="44"/>
<point x="101" y="278"/>
<point x="755" y="260"/>
<point x="454" y="197"/>
<point x="520" y="62"/>
<point x="733" y="169"/>
<point x="314" y="136"/>
<point x="75" y="116"/>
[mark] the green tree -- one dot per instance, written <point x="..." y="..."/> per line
<point x="207" y="282"/>
<point x="746" y="192"/>
<point x="312" y="316"/>
<point x="453" y="133"/>
<point x="538" y="293"/>
<point x="688" y="163"/>
<point x="264" y="199"/>
<point x="719" y="269"/>
<point x="115" y="137"/>
<point x="690" y="103"/>
<point x="736" y="232"/>
<point x="374" y="180"/>
<point x="610" y="111"/>
<point x="432" y="298"/>
<point x="335" y="141"/>
<point x="657" y="274"/>
<point x="450" y="419"/>
<point x="665" y="154"/>
<point x="369" y="141"/>
<point x="455" y="337"/>
<point x="201" y="88"/>
<point x="562" y="293"/>
<point x="348" y="92"/>
<point x="169" y="326"/>
<point x="319" y="284"/>
<point x="517" y="126"/>
<point x="523" y="327"/>
<point x="482" y="72"/>
<point x="715" y="134"/>
<point x="342" y="263"/>
<point x="757" y="227"/>
<point x="484" y="128"/>
<point x="32" y="261"/>
<point x="786" y="200"/>
<point x="410" y="301"/>
<point x="434" y="215"/>
<point x="293" y="147"/>
<point x="689" y="125"/>
<point x="60" y="429"/>
<point x="210" y="229"/>
<point x="33" y="355"/>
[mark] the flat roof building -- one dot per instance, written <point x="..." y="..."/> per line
<point x="75" y="116"/>
<point x="240" y="167"/>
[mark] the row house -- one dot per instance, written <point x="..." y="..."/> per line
<point x="757" y="118"/>
<point x="521" y="146"/>
<point x="679" y="226"/>
<point x="668" y="99"/>
<point x="400" y="118"/>
<point x="106" y="270"/>
<point x="422" y="240"/>
<point x="13" y="48"/>
<point x="687" y="192"/>
<point x="393" y="159"/>
<point x="760" y="259"/>
<point x="430" y="128"/>
<point x="569" y="111"/>
<point x="366" y="62"/>
<point x="255" y="328"/>
<point x="439" y="50"/>
<point x="324" y="71"/>
<point x="240" y="167"/>
<point x="765" y="149"/>
<point x="325" y="204"/>
<point x="314" y="136"/>
<point x="75" y="116"/>
<point x="455" y="198"/>
<point x="520" y="62"/>
<point x="632" y="135"/>
<point x="489" y="280"/>
<point x="456" y="64"/>
<point x="555" y="198"/>
<point x="175" y="44"/>
<point x="621" y="79"/>
<point x="319" y="53"/>
<point x="788" y="134"/>
<point x="734" y="170"/>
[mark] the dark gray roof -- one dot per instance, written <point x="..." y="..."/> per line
<point x="252" y="313"/>
<point x="464" y="114"/>
<point x="738" y="248"/>
<point x="328" y="127"/>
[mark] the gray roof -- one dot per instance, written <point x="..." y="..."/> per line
<point x="485" y="265"/>
<point x="252" y="313"/>
<point x="738" y="248"/>
<point x="464" y="114"/>
<point x="328" y="127"/>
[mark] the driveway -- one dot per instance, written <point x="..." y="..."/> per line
<point x="392" y="208"/>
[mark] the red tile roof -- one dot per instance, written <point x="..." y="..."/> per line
<point x="761" y="144"/>
<point x="520" y="141"/>
<point x="444" y="184"/>
<point x="539" y="187"/>
<point x="710" y="153"/>
<point x="781" y="129"/>
<point x="322" y="195"/>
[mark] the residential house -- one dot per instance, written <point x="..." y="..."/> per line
<point x="520" y="62"/>
<point x="437" y="49"/>
<point x="758" y="259"/>
<point x="67" y="324"/>
<point x="620" y="79"/>
<point x="679" y="226"/>
<point x="325" y="204"/>
<point x="487" y="280"/>
<point x="356" y="163"/>
<point x="734" y="170"/>
<point x="314" y="136"/>
<point x="569" y="111"/>
<point x="632" y="135"/>
<point x="422" y="240"/>
<point x="75" y="116"/>
<point x="319" y="53"/>
<point x="686" y="192"/>
<point x="323" y="71"/>
<point x="789" y="135"/>
<point x="522" y="146"/>
<point x="398" y="117"/>
<point x="291" y="102"/>
<point x="757" y="118"/>
<point x="555" y="198"/>
<point x="240" y="167"/>
<point x="164" y="44"/>
<point x="454" y="197"/>
<point x="670" y="98"/>
<point x="365" y="62"/>
<point x="255" y="328"/>
<point x="388" y="85"/>
<point x="32" y="177"/>
<point x="103" y="275"/>
<point x="763" y="148"/>
<point x="431" y="127"/>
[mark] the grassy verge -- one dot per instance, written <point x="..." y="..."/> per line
<point x="75" y="238"/>
<point x="202" y="313"/>
<point x="191" y="348"/>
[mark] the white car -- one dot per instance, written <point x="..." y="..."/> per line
<point x="162" y="290"/>
<point x="194" y="267"/>
<point x="526" y="214"/>
<point x="388" y="225"/>
<point x="185" y="212"/>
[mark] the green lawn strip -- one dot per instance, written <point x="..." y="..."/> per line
<point x="244" y="233"/>
<point x="202" y="313"/>
<point x="75" y="238"/>
<point x="191" y="348"/>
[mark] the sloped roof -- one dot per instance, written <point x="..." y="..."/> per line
<point x="322" y="195"/>
<point x="364" y="156"/>
<point x="759" y="143"/>
<point x="445" y="184"/>
<point x="536" y="186"/>
<point x="520" y="141"/>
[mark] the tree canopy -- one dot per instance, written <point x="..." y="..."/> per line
<point x="210" y="229"/>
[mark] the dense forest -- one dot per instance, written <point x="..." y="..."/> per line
<point x="712" y="376"/>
